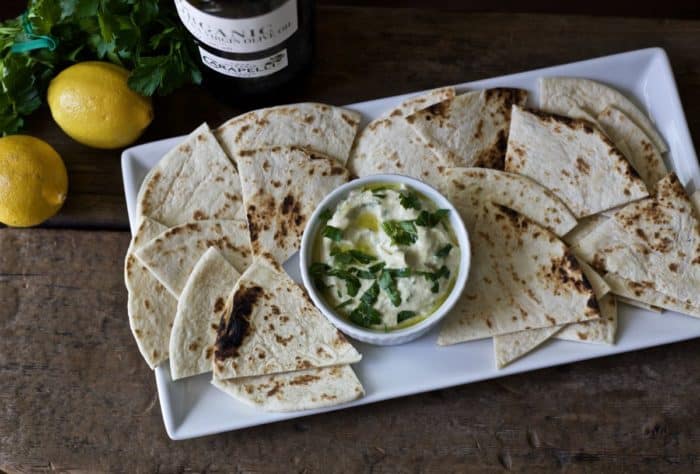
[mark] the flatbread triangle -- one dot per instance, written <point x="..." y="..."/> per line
<point x="271" y="326"/>
<point x="574" y="160"/>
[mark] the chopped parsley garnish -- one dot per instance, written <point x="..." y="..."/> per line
<point x="378" y="192"/>
<point x="388" y="284"/>
<point x="404" y="315"/>
<point x="399" y="272"/>
<point x="352" y="283"/>
<point x="318" y="270"/>
<point x="362" y="274"/>
<point x="434" y="277"/>
<point x="370" y="296"/>
<point x="364" y="315"/>
<point x="444" y="251"/>
<point x="333" y="233"/>
<point x="325" y="215"/>
<point x="431" y="219"/>
<point x="400" y="232"/>
<point x="347" y="257"/>
<point x="344" y="303"/>
<point x="409" y="200"/>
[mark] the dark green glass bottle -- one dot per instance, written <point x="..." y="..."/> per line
<point x="251" y="50"/>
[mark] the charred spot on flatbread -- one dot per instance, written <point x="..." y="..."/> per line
<point x="234" y="327"/>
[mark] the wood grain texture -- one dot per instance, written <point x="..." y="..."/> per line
<point x="77" y="397"/>
<point x="366" y="53"/>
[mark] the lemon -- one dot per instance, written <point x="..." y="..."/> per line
<point x="33" y="181"/>
<point x="93" y="104"/>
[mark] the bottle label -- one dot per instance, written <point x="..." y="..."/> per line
<point x="255" y="68"/>
<point x="243" y="35"/>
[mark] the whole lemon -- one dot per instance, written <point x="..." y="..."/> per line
<point x="33" y="181"/>
<point x="93" y="104"/>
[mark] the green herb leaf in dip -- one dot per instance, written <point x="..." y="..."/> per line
<point x="409" y="200"/>
<point x="399" y="272"/>
<point x="388" y="285"/>
<point x="344" y="304"/>
<point x="370" y="296"/>
<point x="444" y="251"/>
<point x="404" y="315"/>
<point x="431" y="219"/>
<point x="364" y="315"/>
<point x="352" y="283"/>
<point x="400" y="232"/>
<point x="325" y="215"/>
<point x="333" y="233"/>
<point x="347" y="257"/>
<point x="443" y="272"/>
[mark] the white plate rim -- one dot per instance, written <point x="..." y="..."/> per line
<point x="686" y="167"/>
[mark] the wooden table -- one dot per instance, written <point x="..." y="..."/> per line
<point x="76" y="396"/>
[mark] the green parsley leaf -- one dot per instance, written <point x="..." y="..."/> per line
<point x="434" y="277"/>
<point x="388" y="285"/>
<point x="400" y="232"/>
<point x="344" y="304"/>
<point x="325" y="215"/>
<point x="364" y="315"/>
<point x="333" y="233"/>
<point x="399" y="272"/>
<point x="346" y="257"/>
<point x="362" y="274"/>
<point x="318" y="270"/>
<point x="431" y="219"/>
<point x="444" y="251"/>
<point x="377" y="267"/>
<point x="404" y="315"/>
<point x="370" y="296"/>
<point x="352" y="283"/>
<point x="409" y="200"/>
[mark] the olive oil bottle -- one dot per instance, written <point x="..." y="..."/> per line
<point x="251" y="50"/>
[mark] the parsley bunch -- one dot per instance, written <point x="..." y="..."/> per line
<point x="144" y="36"/>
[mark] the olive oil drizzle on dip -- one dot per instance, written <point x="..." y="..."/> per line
<point x="386" y="257"/>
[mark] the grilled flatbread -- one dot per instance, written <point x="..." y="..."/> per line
<point x="522" y="277"/>
<point x="583" y="228"/>
<point x="319" y="128"/>
<point x="389" y="144"/>
<point x="199" y="310"/>
<point x="653" y="246"/>
<point x="634" y="144"/>
<point x="192" y="182"/>
<point x="281" y="188"/>
<point x="301" y="390"/>
<point x="172" y="255"/>
<point x="151" y="307"/>
<point x="421" y="101"/>
<point x="509" y="347"/>
<point x="637" y="304"/>
<point x="470" y="129"/>
<point x="572" y="159"/>
<point x="516" y="192"/>
<point x="560" y="94"/>
<point x="597" y="331"/>
<point x="271" y="326"/>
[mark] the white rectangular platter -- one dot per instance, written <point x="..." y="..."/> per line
<point x="192" y="407"/>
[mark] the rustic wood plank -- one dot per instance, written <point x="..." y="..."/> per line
<point x="76" y="396"/>
<point x="365" y="53"/>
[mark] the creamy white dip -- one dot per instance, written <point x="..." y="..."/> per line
<point x="392" y="245"/>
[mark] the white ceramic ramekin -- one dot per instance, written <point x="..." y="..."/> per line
<point x="398" y="336"/>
